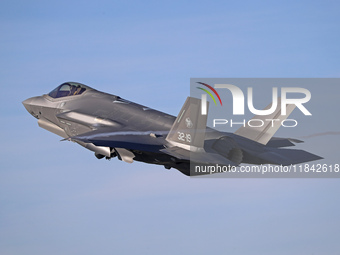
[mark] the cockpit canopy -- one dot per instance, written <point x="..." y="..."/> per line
<point x="68" y="89"/>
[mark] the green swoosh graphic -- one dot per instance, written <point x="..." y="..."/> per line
<point x="208" y="92"/>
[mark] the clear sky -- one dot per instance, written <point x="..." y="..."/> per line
<point x="57" y="198"/>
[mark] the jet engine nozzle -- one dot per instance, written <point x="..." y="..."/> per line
<point x="227" y="147"/>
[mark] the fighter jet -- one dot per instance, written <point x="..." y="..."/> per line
<point x="111" y="126"/>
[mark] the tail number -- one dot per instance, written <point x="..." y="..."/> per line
<point x="184" y="137"/>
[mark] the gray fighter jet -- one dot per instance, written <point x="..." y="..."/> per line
<point x="111" y="126"/>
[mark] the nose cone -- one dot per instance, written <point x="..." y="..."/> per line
<point x="33" y="106"/>
<point x="28" y="104"/>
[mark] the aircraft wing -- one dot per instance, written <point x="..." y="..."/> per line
<point x="131" y="140"/>
<point x="88" y="120"/>
<point x="109" y="133"/>
<point x="198" y="157"/>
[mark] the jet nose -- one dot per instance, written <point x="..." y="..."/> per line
<point x="28" y="104"/>
<point x="32" y="106"/>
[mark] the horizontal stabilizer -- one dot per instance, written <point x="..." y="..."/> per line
<point x="282" y="142"/>
<point x="287" y="156"/>
<point x="200" y="157"/>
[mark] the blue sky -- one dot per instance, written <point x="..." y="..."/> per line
<point x="57" y="198"/>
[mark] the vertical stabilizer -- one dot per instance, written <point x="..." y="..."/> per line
<point x="190" y="125"/>
<point x="272" y="123"/>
